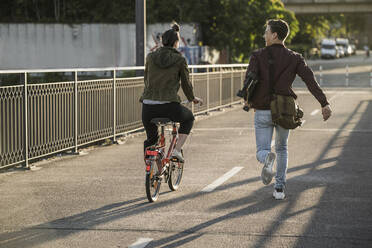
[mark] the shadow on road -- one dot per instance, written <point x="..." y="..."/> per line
<point x="342" y="216"/>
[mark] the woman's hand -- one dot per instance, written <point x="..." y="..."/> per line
<point x="198" y="100"/>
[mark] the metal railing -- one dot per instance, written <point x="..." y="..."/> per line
<point x="63" y="116"/>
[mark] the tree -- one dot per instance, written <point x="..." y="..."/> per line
<point x="313" y="28"/>
<point x="234" y="24"/>
<point x="64" y="11"/>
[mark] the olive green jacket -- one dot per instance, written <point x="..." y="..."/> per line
<point x="163" y="70"/>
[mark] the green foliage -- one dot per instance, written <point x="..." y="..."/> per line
<point x="237" y="25"/>
<point x="66" y="11"/>
<point x="301" y="48"/>
<point x="313" y="28"/>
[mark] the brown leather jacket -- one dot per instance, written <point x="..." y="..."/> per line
<point x="287" y="64"/>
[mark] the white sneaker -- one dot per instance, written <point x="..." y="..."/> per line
<point x="267" y="173"/>
<point x="178" y="155"/>
<point x="278" y="194"/>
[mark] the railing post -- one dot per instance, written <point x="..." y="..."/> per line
<point x="193" y="86"/>
<point x="208" y="97"/>
<point x="347" y="76"/>
<point x="76" y="113"/>
<point x="320" y="75"/>
<point x="114" y="108"/>
<point x="242" y="77"/>
<point x="220" y="86"/>
<point x="232" y="87"/>
<point x="26" y="121"/>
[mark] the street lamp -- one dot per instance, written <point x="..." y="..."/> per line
<point x="140" y="34"/>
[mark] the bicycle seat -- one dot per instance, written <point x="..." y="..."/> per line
<point x="161" y="121"/>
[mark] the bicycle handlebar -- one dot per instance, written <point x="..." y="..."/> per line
<point x="187" y="101"/>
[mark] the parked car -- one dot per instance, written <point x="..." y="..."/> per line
<point x="344" y="43"/>
<point x="328" y="49"/>
<point x="353" y="47"/>
<point x="340" y="51"/>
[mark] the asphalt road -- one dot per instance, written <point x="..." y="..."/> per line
<point x="334" y="71"/>
<point x="98" y="199"/>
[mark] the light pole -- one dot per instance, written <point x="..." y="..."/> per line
<point x="140" y="34"/>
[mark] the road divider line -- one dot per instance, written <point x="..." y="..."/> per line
<point x="141" y="243"/>
<point x="338" y="94"/>
<point x="332" y="98"/>
<point x="222" y="128"/>
<point x="314" y="112"/>
<point x="350" y="92"/>
<point x="336" y="130"/>
<point x="222" y="179"/>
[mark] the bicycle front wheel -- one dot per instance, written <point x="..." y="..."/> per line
<point x="153" y="182"/>
<point x="175" y="174"/>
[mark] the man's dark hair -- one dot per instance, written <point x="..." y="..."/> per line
<point x="280" y="27"/>
<point x="171" y="36"/>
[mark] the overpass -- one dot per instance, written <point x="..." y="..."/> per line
<point x="328" y="6"/>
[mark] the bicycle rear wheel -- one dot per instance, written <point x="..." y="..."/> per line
<point x="153" y="182"/>
<point x="175" y="174"/>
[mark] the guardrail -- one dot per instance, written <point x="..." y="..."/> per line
<point x="38" y="120"/>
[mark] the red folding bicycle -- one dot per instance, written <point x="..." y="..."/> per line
<point x="160" y="165"/>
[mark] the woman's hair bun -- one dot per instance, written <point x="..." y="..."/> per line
<point x="176" y="27"/>
<point x="171" y="35"/>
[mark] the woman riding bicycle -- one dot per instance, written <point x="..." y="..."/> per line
<point x="164" y="69"/>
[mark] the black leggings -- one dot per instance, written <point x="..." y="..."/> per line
<point x="174" y="111"/>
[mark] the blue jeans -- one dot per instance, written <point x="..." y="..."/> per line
<point x="264" y="129"/>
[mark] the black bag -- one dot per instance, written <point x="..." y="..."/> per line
<point x="247" y="91"/>
<point x="285" y="112"/>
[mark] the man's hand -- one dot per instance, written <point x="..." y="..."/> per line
<point x="246" y="106"/>
<point x="326" y="112"/>
<point x="198" y="100"/>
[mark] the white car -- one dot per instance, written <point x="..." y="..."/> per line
<point x="328" y="49"/>
<point x="341" y="51"/>
<point x="344" y="43"/>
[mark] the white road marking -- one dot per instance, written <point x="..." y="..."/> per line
<point x="351" y="92"/>
<point x="332" y="98"/>
<point x="222" y="128"/>
<point x="303" y="129"/>
<point x="338" y="94"/>
<point x="336" y="130"/>
<point x="222" y="179"/>
<point x="314" y="112"/>
<point x="141" y="243"/>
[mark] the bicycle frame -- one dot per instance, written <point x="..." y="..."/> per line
<point x="160" y="147"/>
